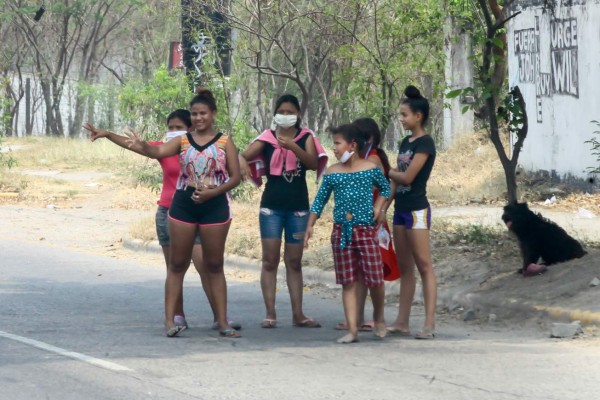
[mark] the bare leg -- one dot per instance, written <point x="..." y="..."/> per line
<point x="204" y="277"/>
<point x="419" y="242"/>
<point x="378" y="298"/>
<point x="350" y="300"/>
<point x="408" y="281"/>
<point x="268" y="275"/>
<point x="293" y="268"/>
<point x="179" y="307"/>
<point x="182" y="241"/>
<point x="213" y="247"/>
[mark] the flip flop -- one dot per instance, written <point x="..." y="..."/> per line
<point x="235" y="325"/>
<point x="230" y="333"/>
<point x="396" y="331"/>
<point x="342" y="326"/>
<point x="347" y="339"/>
<point x="268" y="323"/>
<point x="367" y="327"/>
<point x="307" y="323"/>
<point x="176" y="330"/>
<point x="425" y="334"/>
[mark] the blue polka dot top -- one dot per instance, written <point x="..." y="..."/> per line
<point x="353" y="197"/>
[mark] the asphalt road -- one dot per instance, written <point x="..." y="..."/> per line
<point x="76" y="325"/>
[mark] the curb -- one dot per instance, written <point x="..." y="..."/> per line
<point x="311" y="274"/>
<point x="467" y="300"/>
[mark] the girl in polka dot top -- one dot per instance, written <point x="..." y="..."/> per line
<point x="354" y="242"/>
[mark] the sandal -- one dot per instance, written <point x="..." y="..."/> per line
<point x="307" y="323"/>
<point x="230" y="333"/>
<point x="176" y="330"/>
<point x="342" y="326"/>
<point x="367" y="327"/>
<point x="425" y="334"/>
<point x="268" y="323"/>
<point x="234" y="325"/>
<point x="347" y="339"/>
<point x="395" y="331"/>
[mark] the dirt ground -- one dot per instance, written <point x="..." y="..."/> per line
<point x="95" y="211"/>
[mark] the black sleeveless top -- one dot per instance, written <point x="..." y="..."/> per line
<point x="287" y="192"/>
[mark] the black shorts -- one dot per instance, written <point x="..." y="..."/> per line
<point x="213" y="212"/>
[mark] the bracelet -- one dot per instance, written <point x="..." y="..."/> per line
<point x="383" y="211"/>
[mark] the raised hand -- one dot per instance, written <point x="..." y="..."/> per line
<point x="134" y="141"/>
<point x="95" y="133"/>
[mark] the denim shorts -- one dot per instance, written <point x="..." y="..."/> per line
<point x="274" y="222"/>
<point x="162" y="227"/>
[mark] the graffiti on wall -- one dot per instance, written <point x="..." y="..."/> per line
<point x="553" y="70"/>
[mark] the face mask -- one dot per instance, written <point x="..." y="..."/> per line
<point x="346" y="156"/>
<point x="285" y="121"/>
<point x="173" y="135"/>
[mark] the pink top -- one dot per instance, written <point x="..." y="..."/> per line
<point x="171" y="171"/>
<point x="282" y="157"/>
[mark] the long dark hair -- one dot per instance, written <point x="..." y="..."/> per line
<point x="370" y="129"/>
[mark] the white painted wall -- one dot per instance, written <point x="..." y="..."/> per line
<point x="555" y="59"/>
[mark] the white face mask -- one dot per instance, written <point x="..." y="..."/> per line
<point x="173" y="135"/>
<point x="285" y="121"/>
<point x="346" y="156"/>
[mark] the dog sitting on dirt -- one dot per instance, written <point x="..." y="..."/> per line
<point x="539" y="237"/>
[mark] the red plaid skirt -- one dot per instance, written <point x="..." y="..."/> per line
<point x="361" y="255"/>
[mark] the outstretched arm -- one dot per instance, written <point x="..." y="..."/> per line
<point x="133" y="142"/>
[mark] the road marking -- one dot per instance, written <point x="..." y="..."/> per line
<point x="66" y="353"/>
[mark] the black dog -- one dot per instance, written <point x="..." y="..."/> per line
<point x="539" y="237"/>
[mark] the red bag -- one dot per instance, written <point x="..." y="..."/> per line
<point x="391" y="272"/>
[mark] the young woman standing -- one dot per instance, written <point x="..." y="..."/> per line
<point x="412" y="214"/>
<point x="286" y="153"/>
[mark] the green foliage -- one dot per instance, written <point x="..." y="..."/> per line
<point x="595" y="143"/>
<point x="148" y="173"/>
<point x="6" y="159"/>
<point x="472" y="233"/>
<point x="147" y="103"/>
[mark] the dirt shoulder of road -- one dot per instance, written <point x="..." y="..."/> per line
<point x="477" y="260"/>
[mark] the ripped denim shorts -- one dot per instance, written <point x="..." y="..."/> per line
<point x="274" y="222"/>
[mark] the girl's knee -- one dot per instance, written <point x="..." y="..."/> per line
<point x="270" y="264"/>
<point x="179" y="266"/>
<point x="214" y="266"/>
<point x="293" y="263"/>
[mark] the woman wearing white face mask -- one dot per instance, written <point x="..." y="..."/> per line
<point x="283" y="155"/>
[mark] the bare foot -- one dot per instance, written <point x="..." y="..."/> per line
<point x="349" y="338"/>
<point x="380" y="330"/>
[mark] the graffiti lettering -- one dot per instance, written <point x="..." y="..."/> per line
<point x="563" y="75"/>
<point x="563" y="33"/>
<point x="564" y="72"/>
<point x="544" y="85"/>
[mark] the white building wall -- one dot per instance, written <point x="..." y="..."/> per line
<point x="554" y="57"/>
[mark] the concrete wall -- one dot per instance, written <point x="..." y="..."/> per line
<point x="459" y="74"/>
<point x="554" y="57"/>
